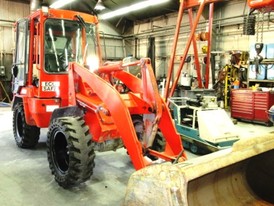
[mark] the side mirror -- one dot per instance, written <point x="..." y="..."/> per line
<point x="14" y="70"/>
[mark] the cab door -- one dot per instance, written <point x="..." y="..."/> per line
<point x="21" y="57"/>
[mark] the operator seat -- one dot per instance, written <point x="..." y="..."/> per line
<point x="51" y="63"/>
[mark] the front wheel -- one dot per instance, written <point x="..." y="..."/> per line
<point x="158" y="145"/>
<point x="70" y="151"/>
<point x="26" y="136"/>
<point x="159" y="142"/>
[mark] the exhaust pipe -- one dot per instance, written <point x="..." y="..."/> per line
<point x="35" y="4"/>
<point x="239" y="176"/>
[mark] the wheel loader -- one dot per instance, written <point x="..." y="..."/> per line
<point x="61" y="83"/>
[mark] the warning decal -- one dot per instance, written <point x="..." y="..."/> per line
<point x="50" y="86"/>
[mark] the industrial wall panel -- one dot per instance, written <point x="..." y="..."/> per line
<point x="10" y="12"/>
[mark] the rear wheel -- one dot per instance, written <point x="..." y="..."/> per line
<point x="26" y="136"/>
<point x="70" y="151"/>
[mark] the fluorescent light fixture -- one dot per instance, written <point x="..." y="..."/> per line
<point x="60" y="3"/>
<point x="99" y="6"/>
<point x="133" y="7"/>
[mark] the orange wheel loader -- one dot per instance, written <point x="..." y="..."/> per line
<point x="61" y="83"/>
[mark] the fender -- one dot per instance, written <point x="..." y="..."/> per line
<point x="23" y="100"/>
<point x="67" y="112"/>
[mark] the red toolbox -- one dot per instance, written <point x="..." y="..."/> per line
<point x="251" y="105"/>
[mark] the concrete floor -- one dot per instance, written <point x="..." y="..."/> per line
<point x="25" y="178"/>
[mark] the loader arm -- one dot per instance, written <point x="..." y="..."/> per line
<point x="147" y="86"/>
<point x="116" y="107"/>
<point x="149" y="103"/>
<point x="163" y="119"/>
<point x="151" y="96"/>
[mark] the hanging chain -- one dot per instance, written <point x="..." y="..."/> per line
<point x="257" y="25"/>
<point x="260" y="27"/>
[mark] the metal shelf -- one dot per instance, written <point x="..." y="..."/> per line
<point x="261" y="80"/>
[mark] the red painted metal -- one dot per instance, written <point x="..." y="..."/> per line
<point x="107" y="112"/>
<point x="194" y="3"/>
<point x="120" y="106"/>
<point x="190" y="39"/>
<point x="195" y="49"/>
<point x="264" y="5"/>
<point x="173" y="51"/>
<point x="187" y="4"/>
<point x="208" y="55"/>
<point x="251" y="105"/>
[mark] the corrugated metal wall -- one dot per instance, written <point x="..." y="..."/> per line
<point x="112" y="44"/>
<point x="227" y="34"/>
<point x="10" y="12"/>
<point x="163" y="29"/>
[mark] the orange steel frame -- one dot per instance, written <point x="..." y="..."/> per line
<point x="264" y="5"/>
<point x="106" y="111"/>
<point x="189" y="4"/>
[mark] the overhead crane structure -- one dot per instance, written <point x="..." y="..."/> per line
<point x="189" y="5"/>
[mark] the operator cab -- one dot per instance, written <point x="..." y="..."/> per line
<point x="63" y="44"/>
<point x="48" y="43"/>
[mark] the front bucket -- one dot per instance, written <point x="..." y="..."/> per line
<point x="239" y="176"/>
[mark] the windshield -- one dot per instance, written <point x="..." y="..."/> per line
<point x="65" y="42"/>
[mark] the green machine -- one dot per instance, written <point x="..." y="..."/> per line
<point x="204" y="126"/>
